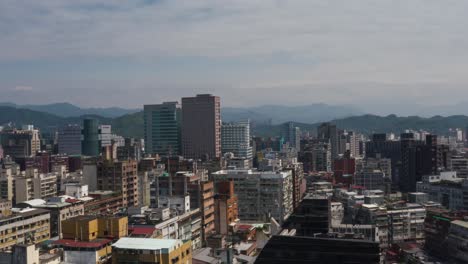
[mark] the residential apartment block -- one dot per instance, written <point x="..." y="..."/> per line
<point x="261" y="194"/>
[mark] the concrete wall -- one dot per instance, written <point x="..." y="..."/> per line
<point x="80" y="257"/>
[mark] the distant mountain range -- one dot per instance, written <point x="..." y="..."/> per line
<point x="129" y="125"/>
<point x="266" y="120"/>
<point x="268" y="114"/>
<point x="277" y="114"/>
<point x="414" y="109"/>
<point x="70" y="110"/>
<point x="369" y="124"/>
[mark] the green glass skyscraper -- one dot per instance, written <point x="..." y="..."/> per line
<point x="162" y="128"/>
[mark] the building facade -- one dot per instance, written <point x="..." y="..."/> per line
<point x="460" y="165"/>
<point x="291" y="135"/>
<point x="59" y="209"/>
<point x="181" y="183"/>
<point x="151" y="250"/>
<point x="226" y="210"/>
<point x="90" y="136"/>
<point x="122" y="177"/>
<point x="446" y="189"/>
<point x="458" y="240"/>
<point x="69" y="140"/>
<point x="235" y="138"/>
<point x="20" y="143"/>
<point x="162" y="124"/>
<point x="261" y="194"/>
<point x="370" y="179"/>
<point x="26" y="226"/>
<point x="34" y="185"/>
<point x="201" y="127"/>
<point x="328" y="131"/>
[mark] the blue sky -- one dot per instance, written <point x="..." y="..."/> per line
<point x="250" y="52"/>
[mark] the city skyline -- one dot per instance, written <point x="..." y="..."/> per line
<point x="248" y="131"/>
<point x="248" y="52"/>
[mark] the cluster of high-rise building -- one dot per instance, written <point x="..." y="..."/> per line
<point x="191" y="129"/>
<point x="196" y="189"/>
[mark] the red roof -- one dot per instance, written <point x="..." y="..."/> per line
<point x="408" y="246"/>
<point x="141" y="230"/>
<point x="244" y="227"/>
<point x="97" y="243"/>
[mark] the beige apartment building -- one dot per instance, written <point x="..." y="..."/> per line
<point x="119" y="177"/>
<point x="25" y="226"/>
<point x="33" y="185"/>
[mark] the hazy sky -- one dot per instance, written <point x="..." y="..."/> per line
<point x="250" y="52"/>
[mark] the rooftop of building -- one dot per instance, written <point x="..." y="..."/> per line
<point x="145" y="243"/>
<point x="51" y="205"/>
<point x="77" y="184"/>
<point x="461" y="223"/>
<point x="141" y="230"/>
<point x="446" y="183"/>
<point x="30" y="212"/>
<point x="244" y="227"/>
<point x="262" y="174"/>
<point x="404" y="206"/>
<point x="244" y="246"/>
<point x="203" y="254"/>
<point x="47" y="257"/>
<point x="101" y="192"/>
<point x="315" y="196"/>
<point x="245" y="258"/>
<point x="448" y="214"/>
<point x="81" y="199"/>
<point x="18" y="213"/>
<point x="82" y="218"/>
<point x="321" y="183"/>
<point x="97" y="243"/>
<point x="34" y="202"/>
<point x="374" y="196"/>
<point x="370" y="206"/>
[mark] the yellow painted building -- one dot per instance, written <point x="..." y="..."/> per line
<point x="113" y="226"/>
<point x="81" y="228"/>
<point x="88" y="228"/>
<point x="87" y="239"/>
<point x="150" y="250"/>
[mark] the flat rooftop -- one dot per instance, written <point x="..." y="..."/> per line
<point x="95" y="244"/>
<point x="53" y="205"/>
<point x="203" y="254"/>
<point x="146" y="243"/>
<point x="25" y="213"/>
<point x="460" y="223"/>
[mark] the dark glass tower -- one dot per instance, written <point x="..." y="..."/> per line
<point x="90" y="143"/>
<point x="163" y="128"/>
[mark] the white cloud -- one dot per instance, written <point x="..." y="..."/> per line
<point x="22" y="88"/>
<point x="341" y="30"/>
<point x="356" y="46"/>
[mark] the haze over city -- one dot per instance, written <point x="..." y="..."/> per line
<point x="382" y="56"/>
